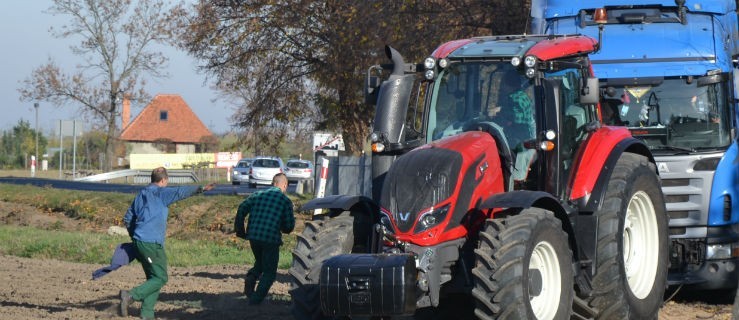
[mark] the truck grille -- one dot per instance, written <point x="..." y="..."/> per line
<point x="687" y="193"/>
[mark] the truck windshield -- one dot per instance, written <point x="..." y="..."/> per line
<point x="493" y="92"/>
<point x="675" y="116"/>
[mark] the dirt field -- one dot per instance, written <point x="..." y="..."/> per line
<point x="50" y="289"/>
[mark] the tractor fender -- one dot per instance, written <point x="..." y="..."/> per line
<point x="522" y="199"/>
<point x="339" y="203"/>
<point x="593" y="200"/>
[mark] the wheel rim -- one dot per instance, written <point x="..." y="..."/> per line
<point x="544" y="261"/>
<point x="640" y="244"/>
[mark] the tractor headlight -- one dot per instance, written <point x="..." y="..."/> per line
<point x="431" y="218"/>
<point x="530" y="72"/>
<point x="374" y="137"/>
<point x="429" y="63"/>
<point x="443" y="63"/>
<point x="429" y="74"/>
<point x="516" y="61"/>
<point x="529" y="61"/>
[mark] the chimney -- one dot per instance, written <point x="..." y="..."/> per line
<point x="126" y="112"/>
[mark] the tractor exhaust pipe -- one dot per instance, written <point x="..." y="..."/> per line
<point x="397" y="59"/>
<point x="390" y="114"/>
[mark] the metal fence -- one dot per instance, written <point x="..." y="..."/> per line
<point x="349" y="175"/>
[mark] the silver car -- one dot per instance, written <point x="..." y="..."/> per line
<point x="241" y="171"/>
<point x="297" y="170"/>
<point x="262" y="171"/>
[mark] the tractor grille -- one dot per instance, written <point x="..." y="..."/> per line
<point x="419" y="180"/>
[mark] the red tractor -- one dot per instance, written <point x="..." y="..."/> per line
<point x="495" y="180"/>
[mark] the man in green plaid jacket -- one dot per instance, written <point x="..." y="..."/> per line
<point x="270" y="212"/>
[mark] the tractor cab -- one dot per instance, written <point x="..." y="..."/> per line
<point x="533" y="94"/>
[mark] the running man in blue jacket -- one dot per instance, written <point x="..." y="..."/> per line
<point x="146" y="221"/>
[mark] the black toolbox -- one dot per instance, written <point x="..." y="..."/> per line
<point x="368" y="284"/>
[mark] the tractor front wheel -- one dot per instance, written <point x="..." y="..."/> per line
<point x="321" y="240"/>
<point x="631" y="264"/>
<point x="524" y="268"/>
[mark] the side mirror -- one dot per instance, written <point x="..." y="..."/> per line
<point x="589" y="92"/>
<point x="371" y="87"/>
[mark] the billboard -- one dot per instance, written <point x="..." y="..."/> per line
<point x="227" y="159"/>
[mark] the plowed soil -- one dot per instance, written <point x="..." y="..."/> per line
<point x="51" y="289"/>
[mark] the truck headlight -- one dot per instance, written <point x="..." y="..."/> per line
<point x="718" y="251"/>
<point x="431" y="218"/>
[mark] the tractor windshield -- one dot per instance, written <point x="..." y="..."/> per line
<point x="486" y="91"/>
<point x="672" y="116"/>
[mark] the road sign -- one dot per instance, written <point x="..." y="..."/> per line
<point x="329" y="143"/>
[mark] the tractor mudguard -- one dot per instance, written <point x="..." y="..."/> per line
<point x="343" y="203"/>
<point x="592" y="199"/>
<point x="526" y="199"/>
<point x="522" y="199"/>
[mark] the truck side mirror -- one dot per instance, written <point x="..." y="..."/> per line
<point x="589" y="92"/>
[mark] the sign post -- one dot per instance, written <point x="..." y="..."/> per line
<point x="33" y="166"/>
<point x="322" y="183"/>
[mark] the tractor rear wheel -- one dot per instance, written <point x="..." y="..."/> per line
<point x="632" y="249"/>
<point x="524" y="268"/>
<point x="320" y="240"/>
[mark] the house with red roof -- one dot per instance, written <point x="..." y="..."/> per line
<point x="165" y="125"/>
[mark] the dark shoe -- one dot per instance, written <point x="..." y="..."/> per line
<point x="125" y="301"/>
<point x="249" y="284"/>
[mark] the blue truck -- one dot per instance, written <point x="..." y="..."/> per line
<point x="667" y="71"/>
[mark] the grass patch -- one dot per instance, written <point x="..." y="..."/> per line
<point x="93" y="248"/>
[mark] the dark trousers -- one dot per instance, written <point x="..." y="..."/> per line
<point x="266" y="256"/>
<point x="154" y="261"/>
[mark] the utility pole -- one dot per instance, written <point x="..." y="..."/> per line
<point x="35" y="106"/>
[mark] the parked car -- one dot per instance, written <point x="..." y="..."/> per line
<point x="241" y="171"/>
<point x="296" y="170"/>
<point x="263" y="169"/>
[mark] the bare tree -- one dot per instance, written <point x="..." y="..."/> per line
<point x="117" y="46"/>
<point x="307" y="58"/>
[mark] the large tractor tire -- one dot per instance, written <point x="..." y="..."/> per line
<point x="632" y="249"/>
<point x="524" y="268"/>
<point x="320" y="240"/>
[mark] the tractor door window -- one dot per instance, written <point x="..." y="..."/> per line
<point x="574" y="116"/>
<point x="414" y="116"/>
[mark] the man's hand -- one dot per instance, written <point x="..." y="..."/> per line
<point x="209" y="186"/>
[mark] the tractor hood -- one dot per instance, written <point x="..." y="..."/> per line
<point x="429" y="191"/>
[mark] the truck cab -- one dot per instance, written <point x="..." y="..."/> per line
<point x="667" y="72"/>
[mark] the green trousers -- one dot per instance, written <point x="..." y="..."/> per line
<point x="266" y="256"/>
<point x="154" y="261"/>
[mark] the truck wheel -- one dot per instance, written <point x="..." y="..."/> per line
<point x="524" y="268"/>
<point x="320" y="240"/>
<point x="631" y="263"/>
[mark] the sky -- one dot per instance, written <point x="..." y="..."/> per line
<point x="27" y="45"/>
